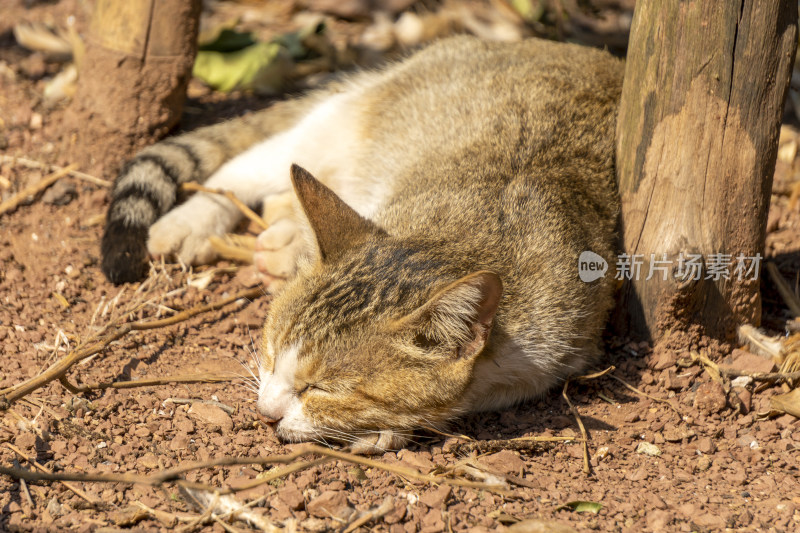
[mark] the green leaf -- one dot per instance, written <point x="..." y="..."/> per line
<point x="261" y="67"/>
<point x="580" y="506"/>
<point x="230" y="59"/>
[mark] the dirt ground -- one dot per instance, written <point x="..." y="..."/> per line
<point x="676" y="456"/>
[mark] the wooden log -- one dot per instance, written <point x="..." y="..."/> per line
<point x="133" y="77"/>
<point x="697" y="135"/>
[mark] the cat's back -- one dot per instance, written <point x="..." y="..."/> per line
<point x="476" y="120"/>
<point x="465" y="114"/>
<point x="462" y="89"/>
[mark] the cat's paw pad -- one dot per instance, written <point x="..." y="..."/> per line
<point x="278" y="249"/>
<point x="378" y="443"/>
<point x="173" y="236"/>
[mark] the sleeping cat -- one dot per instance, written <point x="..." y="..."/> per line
<point x="428" y="219"/>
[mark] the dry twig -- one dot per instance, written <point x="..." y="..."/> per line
<point x="24" y="486"/>
<point x="59" y="369"/>
<point x="384" y="508"/>
<point x="249" y="213"/>
<point x="189" y="378"/>
<point x="174" y="475"/>
<point x="166" y="518"/>
<point x="33" y="190"/>
<point x="644" y="394"/>
<point x="769" y="377"/>
<point x="587" y="467"/>
<point x="222" y="507"/>
<point x="30" y="163"/>
<point x="234" y="247"/>
<point x="595" y="375"/>
<point x="36" y="465"/>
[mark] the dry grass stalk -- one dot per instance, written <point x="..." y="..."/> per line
<point x="249" y="213"/>
<point x="467" y="469"/>
<point x="24" y="486"/>
<point x="36" y="403"/>
<point x="219" y="507"/>
<point x="791" y="364"/>
<point x="282" y="472"/>
<point x="403" y="471"/>
<point x="203" y="518"/>
<point x="384" y="508"/>
<point x="165" y="517"/>
<point x="33" y="190"/>
<point x="229" y="528"/>
<point x="587" y="467"/>
<point x="445" y="434"/>
<point x="188" y="378"/>
<point x="234" y="247"/>
<point x="645" y="395"/>
<point x="30" y="163"/>
<point x="770" y="377"/>
<point x="595" y="375"/>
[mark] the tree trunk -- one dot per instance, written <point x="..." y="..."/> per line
<point x="697" y="135"/>
<point x="133" y="77"/>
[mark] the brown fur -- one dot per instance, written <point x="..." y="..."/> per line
<point x="462" y="294"/>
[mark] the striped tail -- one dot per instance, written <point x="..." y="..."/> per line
<point x="147" y="186"/>
<point x="145" y="189"/>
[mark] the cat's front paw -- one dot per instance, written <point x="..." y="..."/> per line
<point x="378" y="443"/>
<point x="278" y="249"/>
<point x="183" y="233"/>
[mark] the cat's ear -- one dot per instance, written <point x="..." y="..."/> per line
<point x="337" y="226"/>
<point x="458" y="318"/>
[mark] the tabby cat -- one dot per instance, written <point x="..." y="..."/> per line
<point x="430" y="250"/>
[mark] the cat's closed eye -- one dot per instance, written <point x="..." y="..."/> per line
<point x="302" y="388"/>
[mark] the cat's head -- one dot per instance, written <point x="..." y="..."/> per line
<point x="376" y="338"/>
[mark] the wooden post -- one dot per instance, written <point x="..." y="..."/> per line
<point x="133" y="77"/>
<point x="697" y="134"/>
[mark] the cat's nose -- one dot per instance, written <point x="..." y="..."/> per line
<point x="269" y="414"/>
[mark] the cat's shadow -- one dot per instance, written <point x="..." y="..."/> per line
<point x="548" y="416"/>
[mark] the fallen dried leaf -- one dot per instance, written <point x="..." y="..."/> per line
<point x="787" y="403"/>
